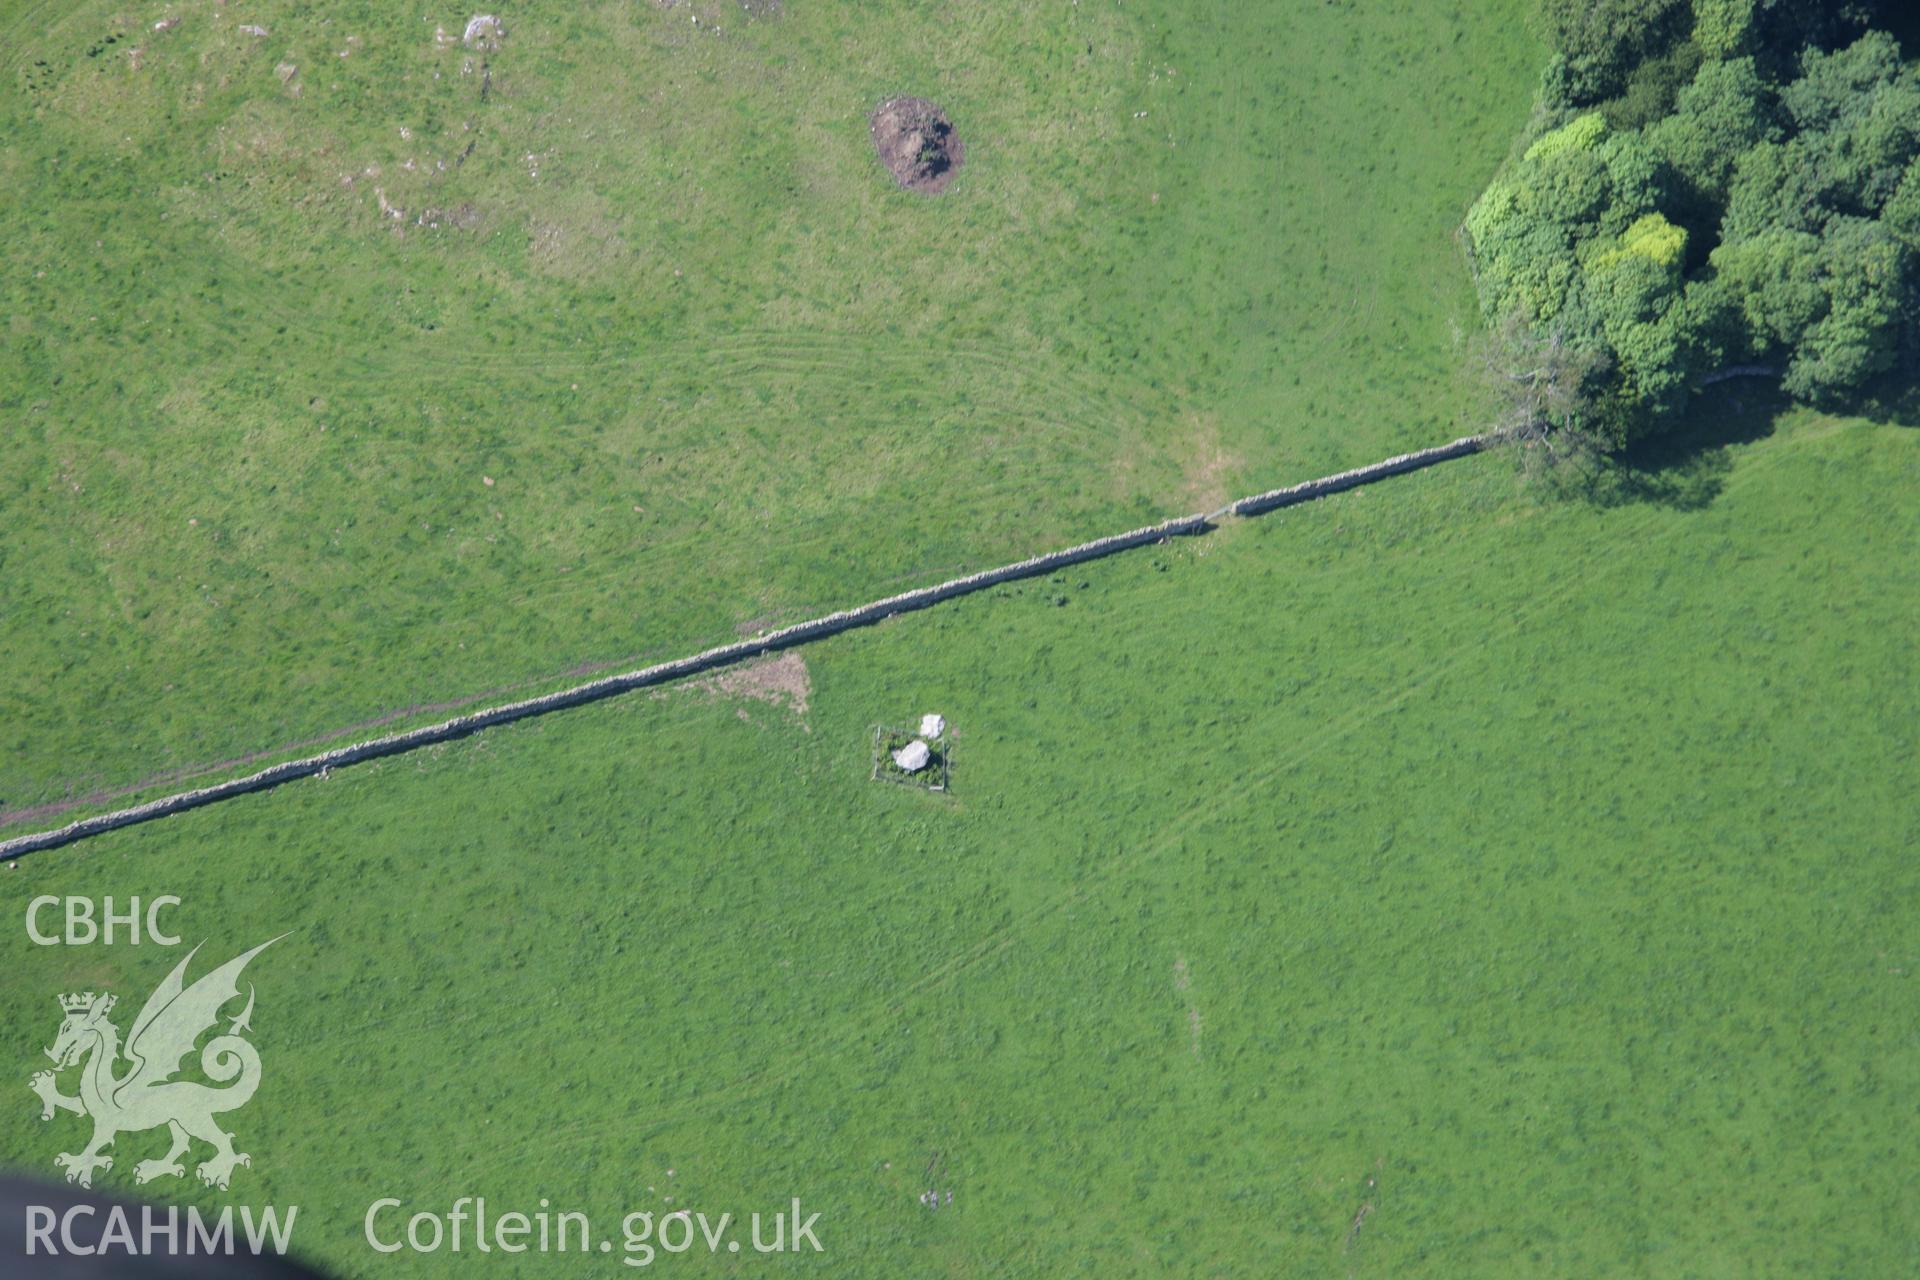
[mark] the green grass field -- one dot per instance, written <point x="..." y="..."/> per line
<point x="1527" y="881"/>
<point x="654" y="285"/>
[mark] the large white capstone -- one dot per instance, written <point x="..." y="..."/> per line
<point x="482" y="28"/>
<point x="913" y="757"/>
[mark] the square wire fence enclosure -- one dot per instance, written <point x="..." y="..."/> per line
<point x="935" y="775"/>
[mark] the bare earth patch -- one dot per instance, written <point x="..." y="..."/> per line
<point x="1203" y="467"/>
<point x="917" y="143"/>
<point x="1205" y="464"/>
<point x="781" y="681"/>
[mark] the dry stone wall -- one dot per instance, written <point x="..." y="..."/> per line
<point x="725" y="655"/>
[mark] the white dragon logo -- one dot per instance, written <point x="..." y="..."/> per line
<point x="146" y="1095"/>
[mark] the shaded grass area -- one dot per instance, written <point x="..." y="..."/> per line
<point x="1529" y="883"/>
<point x="656" y="288"/>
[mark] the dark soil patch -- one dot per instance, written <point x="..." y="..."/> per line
<point x="917" y="143"/>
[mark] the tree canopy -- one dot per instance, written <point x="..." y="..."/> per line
<point x="1711" y="184"/>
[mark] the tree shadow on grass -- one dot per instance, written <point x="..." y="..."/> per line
<point x="1893" y="402"/>
<point x="1687" y="468"/>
